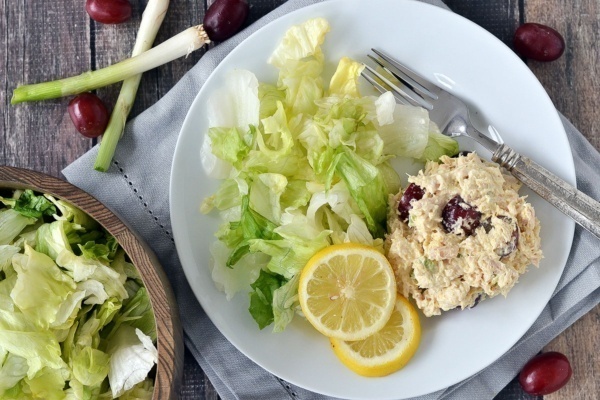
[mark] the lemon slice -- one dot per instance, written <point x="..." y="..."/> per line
<point x="387" y="350"/>
<point x="347" y="291"/>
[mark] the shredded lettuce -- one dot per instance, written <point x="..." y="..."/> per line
<point x="68" y="295"/>
<point x="304" y="163"/>
<point x="11" y="224"/>
<point x="261" y="298"/>
<point x="132" y="356"/>
<point x="438" y="145"/>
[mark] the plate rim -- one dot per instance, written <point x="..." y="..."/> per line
<point x="432" y="8"/>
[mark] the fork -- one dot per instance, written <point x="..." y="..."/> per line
<point x="452" y="116"/>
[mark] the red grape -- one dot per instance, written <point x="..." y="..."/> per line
<point x="412" y="193"/>
<point x="109" y="11"/>
<point x="89" y="114"/>
<point x="538" y="42"/>
<point x="545" y="373"/>
<point x="224" y="18"/>
<point x="458" y="215"/>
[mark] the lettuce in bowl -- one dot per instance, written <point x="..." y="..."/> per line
<point x="75" y="318"/>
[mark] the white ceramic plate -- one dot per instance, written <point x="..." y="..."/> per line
<point x="483" y="71"/>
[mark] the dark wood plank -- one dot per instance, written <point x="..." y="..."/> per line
<point x="114" y="42"/>
<point x="573" y="83"/>
<point x="41" y="43"/>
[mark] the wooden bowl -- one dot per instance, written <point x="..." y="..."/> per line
<point x="168" y="328"/>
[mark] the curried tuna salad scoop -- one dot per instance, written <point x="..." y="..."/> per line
<point x="460" y="233"/>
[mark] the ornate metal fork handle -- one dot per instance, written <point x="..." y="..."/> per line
<point x="580" y="207"/>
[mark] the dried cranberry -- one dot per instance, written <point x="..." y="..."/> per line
<point x="477" y="300"/>
<point x="412" y="193"/>
<point x="512" y="244"/>
<point x="459" y="215"/>
<point x="463" y="153"/>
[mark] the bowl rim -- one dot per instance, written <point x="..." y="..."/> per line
<point x="169" y="331"/>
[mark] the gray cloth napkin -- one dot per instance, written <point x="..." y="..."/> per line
<point x="137" y="188"/>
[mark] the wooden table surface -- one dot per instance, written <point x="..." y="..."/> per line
<point x="44" y="41"/>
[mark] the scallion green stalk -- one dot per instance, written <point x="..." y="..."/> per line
<point x="152" y="19"/>
<point x="179" y="45"/>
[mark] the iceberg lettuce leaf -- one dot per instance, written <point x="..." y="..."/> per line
<point x="367" y="187"/>
<point x="90" y="366"/>
<point x="300" y="41"/>
<point x="11" y="224"/>
<point x="132" y="356"/>
<point x="344" y="81"/>
<point x="21" y="337"/>
<point x="438" y="145"/>
<point x="37" y="273"/>
<point x="285" y="303"/>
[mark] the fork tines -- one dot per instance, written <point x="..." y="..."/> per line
<point x="407" y="86"/>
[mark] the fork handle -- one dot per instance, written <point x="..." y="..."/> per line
<point x="572" y="202"/>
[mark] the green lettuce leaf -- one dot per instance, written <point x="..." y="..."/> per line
<point x="37" y="273"/>
<point x="132" y="356"/>
<point x="238" y="234"/>
<point x="265" y="195"/>
<point x="235" y="105"/>
<point x="52" y="239"/>
<point x="367" y="187"/>
<point x="73" y="214"/>
<point x="90" y="366"/>
<point x="290" y="254"/>
<point x="100" y="251"/>
<point x="82" y="268"/>
<point x="21" y="337"/>
<point x="300" y="41"/>
<point x="6" y="253"/>
<point x="438" y="145"/>
<point x="137" y="312"/>
<point x="344" y="81"/>
<point x="275" y="140"/>
<point x="33" y="206"/>
<point x="234" y="280"/>
<point x="285" y="302"/>
<point x="300" y="62"/>
<point x="231" y="144"/>
<point x="48" y="384"/>
<point x="261" y="297"/>
<point x="407" y="136"/>
<point x="12" y="370"/>
<point x="11" y="224"/>
<point x="269" y="96"/>
<point x="6" y="287"/>
<point x="29" y="205"/>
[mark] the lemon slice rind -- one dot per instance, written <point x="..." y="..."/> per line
<point x="359" y="356"/>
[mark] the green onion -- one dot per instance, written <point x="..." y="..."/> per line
<point x="151" y="21"/>
<point x="179" y="45"/>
